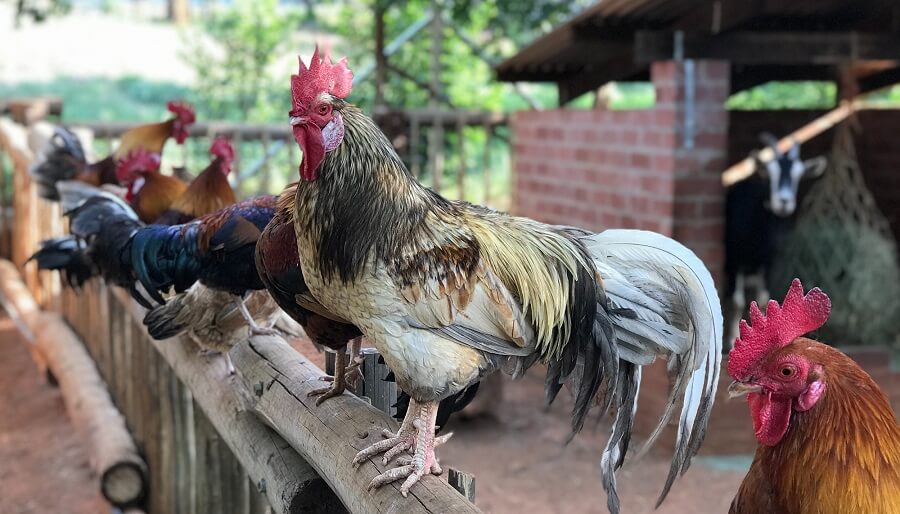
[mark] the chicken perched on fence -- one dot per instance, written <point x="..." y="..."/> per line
<point x="148" y="192"/>
<point x="828" y="441"/>
<point x="448" y="292"/>
<point x="278" y="263"/>
<point x="65" y="159"/>
<point x="208" y="192"/>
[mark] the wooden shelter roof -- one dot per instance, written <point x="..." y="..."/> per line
<point x="763" y="39"/>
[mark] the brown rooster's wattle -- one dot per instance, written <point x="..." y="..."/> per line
<point x="828" y="440"/>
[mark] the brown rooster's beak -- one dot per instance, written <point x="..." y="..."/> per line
<point x="297" y="120"/>
<point x="738" y="389"/>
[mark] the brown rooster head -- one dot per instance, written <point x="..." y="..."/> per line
<point x="131" y="169"/>
<point x="769" y="363"/>
<point x="317" y="92"/>
<point x="184" y="118"/>
<point x="222" y="150"/>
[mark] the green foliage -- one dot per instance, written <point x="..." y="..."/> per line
<point x="40" y="10"/>
<point x="232" y="57"/>
<point x="103" y="99"/>
<point x="785" y="95"/>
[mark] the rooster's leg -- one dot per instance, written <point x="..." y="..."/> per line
<point x="255" y="329"/>
<point x="416" y="433"/>
<point x="354" y="370"/>
<point x="339" y="384"/>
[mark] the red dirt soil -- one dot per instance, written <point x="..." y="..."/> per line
<point x="43" y="465"/>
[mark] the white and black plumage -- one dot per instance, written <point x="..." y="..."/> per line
<point x="449" y="292"/>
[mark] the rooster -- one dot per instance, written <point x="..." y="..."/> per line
<point x="278" y="264"/>
<point x="101" y="228"/>
<point x="828" y="440"/>
<point x="208" y="192"/>
<point x="448" y="292"/>
<point x="148" y="191"/>
<point x="216" y="250"/>
<point x="65" y="159"/>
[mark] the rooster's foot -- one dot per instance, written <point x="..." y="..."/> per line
<point x="338" y="382"/>
<point x="416" y="434"/>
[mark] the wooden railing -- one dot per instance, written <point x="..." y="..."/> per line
<point x="246" y="444"/>
<point x="462" y="154"/>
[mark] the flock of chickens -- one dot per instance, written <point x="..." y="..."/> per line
<point x="449" y="292"/>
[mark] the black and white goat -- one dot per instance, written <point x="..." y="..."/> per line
<point x="758" y="213"/>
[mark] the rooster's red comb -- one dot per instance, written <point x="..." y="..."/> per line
<point x="221" y="147"/>
<point x="137" y="161"/>
<point x="780" y="325"/>
<point x="321" y="76"/>
<point x="183" y="111"/>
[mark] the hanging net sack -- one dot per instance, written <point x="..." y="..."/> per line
<point x="843" y="244"/>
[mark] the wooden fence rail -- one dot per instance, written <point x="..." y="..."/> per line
<point x="214" y="443"/>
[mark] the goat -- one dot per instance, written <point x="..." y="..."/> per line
<point x="758" y="213"/>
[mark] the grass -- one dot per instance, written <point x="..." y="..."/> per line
<point x="104" y="99"/>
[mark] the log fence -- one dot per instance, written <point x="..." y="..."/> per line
<point x="205" y="442"/>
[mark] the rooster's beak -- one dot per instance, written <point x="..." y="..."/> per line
<point x="297" y="120"/>
<point x="738" y="389"/>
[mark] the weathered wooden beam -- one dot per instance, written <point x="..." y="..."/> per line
<point x="290" y="484"/>
<point x="879" y="80"/>
<point x="330" y="435"/>
<point x="114" y="456"/>
<point x="786" y="48"/>
<point x="619" y="68"/>
<point x="745" y="167"/>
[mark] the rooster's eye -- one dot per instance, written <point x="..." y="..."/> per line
<point x="788" y="371"/>
<point x="324" y="109"/>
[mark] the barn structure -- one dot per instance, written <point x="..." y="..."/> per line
<point x="660" y="168"/>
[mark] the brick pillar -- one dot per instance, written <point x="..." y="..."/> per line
<point x="693" y="108"/>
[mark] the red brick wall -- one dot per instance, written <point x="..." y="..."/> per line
<point x="631" y="169"/>
<point x="877" y="147"/>
<point x="593" y="169"/>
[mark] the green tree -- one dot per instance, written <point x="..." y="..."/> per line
<point x="232" y="56"/>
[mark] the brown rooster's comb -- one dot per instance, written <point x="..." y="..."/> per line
<point x="137" y="161"/>
<point x="221" y="147"/>
<point x="183" y="111"/>
<point x="321" y="76"/>
<point x="780" y="325"/>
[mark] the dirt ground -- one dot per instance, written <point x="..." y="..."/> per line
<point x="43" y="467"/>
<point x="518" y="455"/>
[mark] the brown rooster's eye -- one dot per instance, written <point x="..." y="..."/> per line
<point x="788" y="371"/>
<point x="324" y="109"/>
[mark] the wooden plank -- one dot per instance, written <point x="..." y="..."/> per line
<point x="782" y="48"/>
<point x="292" y="485"/>
<point x="328" y="436"/>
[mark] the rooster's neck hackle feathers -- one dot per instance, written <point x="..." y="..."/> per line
<point x="844" y="453"/>
<point x="363" y="201"/>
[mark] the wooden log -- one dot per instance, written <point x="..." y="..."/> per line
<point x="290" y="484"/>
<point x="114" y="455"/>
<point x="328" y="436"/>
